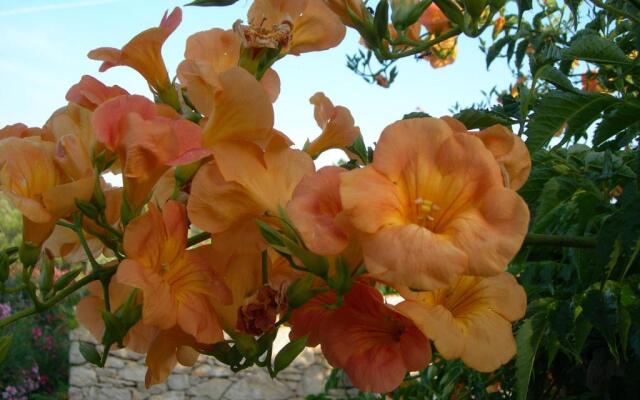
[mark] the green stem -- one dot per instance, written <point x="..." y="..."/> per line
<point x="61" y="295"/>
<point x="198" y="238"/>
<point x="536" y="239"/>
<point x="385" y="54"/>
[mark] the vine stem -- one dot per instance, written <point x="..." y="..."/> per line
<point x="536" y="239"/>
<point x="198" y="238"/>
<point x="94" y="276"/>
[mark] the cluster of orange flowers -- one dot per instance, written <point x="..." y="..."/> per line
<point x="435" y="215"/>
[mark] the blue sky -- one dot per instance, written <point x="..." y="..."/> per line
<point x="43" y="47"/>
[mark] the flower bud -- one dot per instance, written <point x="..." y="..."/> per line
<point x="29" y="254"/>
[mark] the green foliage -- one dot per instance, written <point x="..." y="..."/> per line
<point x="10" y="224"/>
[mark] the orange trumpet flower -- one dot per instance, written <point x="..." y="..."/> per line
<point x="471" y="319"/>
<point x="432" y="206"/>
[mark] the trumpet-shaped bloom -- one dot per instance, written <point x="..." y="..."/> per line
<point x="32" y="180"/>
<point x="296" y="26"/>
<point x="169" y="348"/>
<point x="443" y="53"/>
<point x="143" y="52"/>
<point x="245" y="183"/>
<point x="179" y="287"/>
<point x="316" y="212"/>
<point x="238" y="109"/>
<point x="308" y="319"/>
<point x="208" y="54"/>
<point x="337" y="124"/>
<point x="148" y="139"/>
<point x="471" y="319"/>
<point x="432" y="206"/>
<point x="90" y="92"/>
<point x="19" y="130"/>
<point x="509" y="150"/>
<point x="372" y="342"/>
<point x="344" y="9"/>
<point x="434" y="20"/>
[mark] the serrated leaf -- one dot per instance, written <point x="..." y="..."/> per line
<point x="558" y="109"/>
<point x="528" y="341"/>
<point x="556" y="78"/>
<point x="473" y="118"/>
<point x="622" y="116"/>
<point x="289" y="353"/>
<point x="5" y="346"/>
<point x="496" y="48"/>
<point x="591" y="47"/>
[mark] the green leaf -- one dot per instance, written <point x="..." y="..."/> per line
<point x="558" y="109"/>
<point x="602" y="313"/>
<point x="528" y="340"/>
<point x="556" y="78"/>
<point x="416" y="114"/>
<point x="89" y="352"/>
<point x="473" y="118"/>
<point x="496" y="48"/>
<point x="5" y="346"/>
<point x="524" y="5"/>
<point x="211" y="3"/>
<point x="360" y="149"/>
<point x="289" y="353"/>
<point x="622" y="116"/>
<point x="591" y="47"/>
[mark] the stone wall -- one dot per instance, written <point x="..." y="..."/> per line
<point x="123" y="378"/>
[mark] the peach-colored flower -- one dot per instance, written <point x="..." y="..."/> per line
<point x="245" y="183"/>
<point x="443" y="53"/>
<point x="509" y="150"/>
<point x="238" y="108"/>
<point x="294" y="26"/>
<point x="143" y="52"/>
<point x="31" y="178"/>
<point x="90" y="92"/>
<point x="308" y="319"/>
<point x="169" y="348"/>
<point x="471" y="319"/>
<point x="337" y="124"/>
<point x="208" y="54"/>
<point x="147" y="139"/>
<point x="89" y="314"/>
<point x="19" y="130"/>
<point x="178" y="286"/>
<point x="433" y="206"/>
<point x="73" y="121"/>
<point x="238" y="261"/>
<point x="345" y="8"/>
<point x="434" y="20"/>
<point x="372" y="342"/>
<point x="316" y="212"/>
